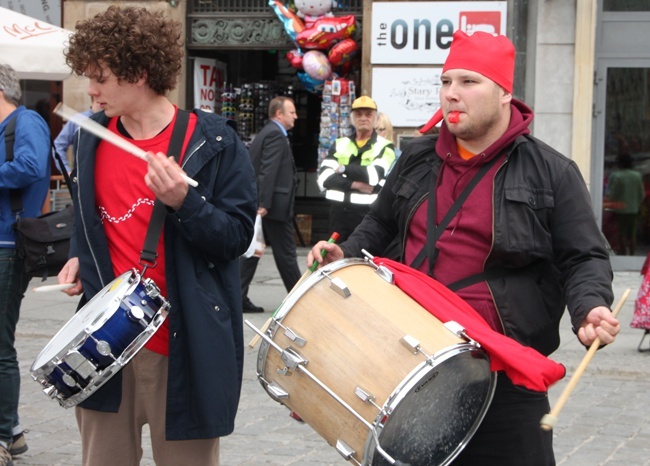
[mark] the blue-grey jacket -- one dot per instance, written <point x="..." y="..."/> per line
<point x="203" y="242"/>
<point x="29" y="171"/>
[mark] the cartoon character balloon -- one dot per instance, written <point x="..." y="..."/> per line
<point x="315" y="29"/>
<point x="312" y="10"/>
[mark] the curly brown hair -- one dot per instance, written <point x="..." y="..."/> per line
<point x="132" y="43"/>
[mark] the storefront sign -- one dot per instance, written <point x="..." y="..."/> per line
<point x="409" y="96"/>
<point x="421" y="32"/>
<point x="209" y="76"/>
<point x="44" y="10"/>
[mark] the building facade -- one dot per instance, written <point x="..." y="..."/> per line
<point x="582" y="65"/>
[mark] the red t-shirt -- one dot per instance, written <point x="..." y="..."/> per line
<point x="125" y="203"/>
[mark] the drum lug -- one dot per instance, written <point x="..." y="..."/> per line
<point x="276" y="391"/>
<point x="366" y="397"/>
<point x="51" y="391"/>
<point x="380" y="270"/>
<point x="292" y="359"/>
<point x="385" y="274"/>
<point x="346" y="451"/>
<point x="413" y="345"/>
<point x="340" y="287"/>
<point x="459" y="331"/>
<point x="80" y="365"/>
<point x="293" y="336"/>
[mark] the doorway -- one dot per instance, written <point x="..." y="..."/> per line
<point x="621" y="175"/>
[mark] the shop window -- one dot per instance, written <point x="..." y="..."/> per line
<point x="626" y="5"/>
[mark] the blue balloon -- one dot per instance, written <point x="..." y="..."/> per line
<point x="310" y="84"/>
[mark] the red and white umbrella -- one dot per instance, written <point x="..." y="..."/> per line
<point x="33" y="47"/>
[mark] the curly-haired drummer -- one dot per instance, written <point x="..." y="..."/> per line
<point x="185" y="383"/>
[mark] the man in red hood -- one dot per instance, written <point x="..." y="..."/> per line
<point x="505" y="221"/>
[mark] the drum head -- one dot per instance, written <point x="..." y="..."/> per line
<point x="437" y="412"/>
<point x="89" y="318"/>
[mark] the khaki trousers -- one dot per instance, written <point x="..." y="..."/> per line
<point x="109" y="439"/>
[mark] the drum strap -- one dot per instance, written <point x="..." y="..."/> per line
<point x="429" y="250"/>
<point x="148" y="254"/>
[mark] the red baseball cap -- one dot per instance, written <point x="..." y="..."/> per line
<point x="486" y="54"/>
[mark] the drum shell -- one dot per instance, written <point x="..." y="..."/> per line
<point x="355" y="342"/>
<point x="111" y="318"/>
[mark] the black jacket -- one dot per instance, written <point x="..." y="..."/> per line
<point x="545" y="237"/>
<point x="276" y="172"/>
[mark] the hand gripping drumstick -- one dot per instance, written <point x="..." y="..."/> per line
<point x="98" y="130"/>
<point x="549" y="420"/>
<point x="314" y="266"/>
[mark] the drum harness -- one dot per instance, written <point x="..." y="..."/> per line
<point x="148" y="254"/>
<point x="430" y="251"/>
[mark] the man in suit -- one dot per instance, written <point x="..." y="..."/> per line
<point x="276" y="185"/>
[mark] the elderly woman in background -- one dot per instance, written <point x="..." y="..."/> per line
<point x="384" y="128"/>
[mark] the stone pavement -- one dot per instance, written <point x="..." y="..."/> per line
<point x="606" y="421"/>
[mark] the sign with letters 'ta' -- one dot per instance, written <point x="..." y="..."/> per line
<point x="417" y="33"/>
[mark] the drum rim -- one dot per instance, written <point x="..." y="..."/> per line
<point x="83" y="333"/>
<point x="404" y="387"/>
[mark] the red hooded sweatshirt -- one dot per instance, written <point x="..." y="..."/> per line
<point x="467" y="240"/>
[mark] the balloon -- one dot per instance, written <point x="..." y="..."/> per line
<point x="342" y="52"/>
<point x="316" y="65"/>
<point x="311" y="11"/>
<point x="325" y="32"/>
<point x="295" y="58"/>
<point x="292" y="24"/>
<point x="310" y="84"/>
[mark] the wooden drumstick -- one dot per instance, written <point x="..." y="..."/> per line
<point x="101" y="132"/>
<point x="548" y="420"/>
<point x="314" y="266"/>
<point x="57" y="287"/>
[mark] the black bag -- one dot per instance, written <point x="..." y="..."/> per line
<point x="42" y="242"/>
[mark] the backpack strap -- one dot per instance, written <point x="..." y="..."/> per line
<point x="15" y="196"/>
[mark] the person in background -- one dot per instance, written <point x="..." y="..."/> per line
<point x="384" y="128"/>
<point x="276" y="186"/>
<point x="66" y="136"/>
<point x="185" y="383"/>
<point x="27" y="175"/>
<point x="523" y="244"/>
<point x="641" y="315"/>
<point x="352" y="172"/>
<point x="624" y="194"/>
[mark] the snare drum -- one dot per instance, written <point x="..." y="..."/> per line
<point x="373" y="372"/>
<point x="100" y="339"/>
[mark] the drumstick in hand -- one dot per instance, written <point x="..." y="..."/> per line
<point x="314" y="266"/>
<point x="57" y="287"/>
<point x="107" y="135"/>
<point x="549" y="420"/>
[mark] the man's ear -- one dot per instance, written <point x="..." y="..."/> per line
<point x="506" y="98"/>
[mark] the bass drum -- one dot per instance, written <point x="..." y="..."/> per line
<point x="372" y="371"/>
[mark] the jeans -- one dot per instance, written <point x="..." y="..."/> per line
<point x="13" y="283"/>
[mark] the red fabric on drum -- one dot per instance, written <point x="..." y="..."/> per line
<point x="524" y="366"/>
